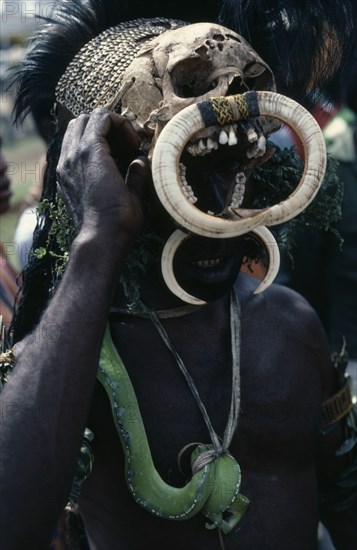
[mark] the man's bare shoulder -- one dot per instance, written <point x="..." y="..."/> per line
<point x="279" y="303"/>
<point x="281" y="319"/>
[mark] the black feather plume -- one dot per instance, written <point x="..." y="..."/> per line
<point x="50" y="51"/>
<point x="72" y="24"/>
<point x="304" y="41"/>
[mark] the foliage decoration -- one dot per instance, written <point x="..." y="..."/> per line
<point x="61" y="232"/>
<point x="276" y="180"/>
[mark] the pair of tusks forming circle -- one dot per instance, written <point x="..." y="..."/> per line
<point x="261" y="234"/>
<point x="221" y="111"/>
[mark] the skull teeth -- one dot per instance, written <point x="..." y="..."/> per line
<point x="232" y="138"/>
<point x="228" y="136"/>
<point x="237" y="196"/>
<point x="186" y="188"/>
<point x="252" y="135"/>
<point x="211" y="144"/>
<point x="201" y="145"/>
<point x="223" y="137"/>
<point x="239" y="190"/>
<point x="258" y="149"/>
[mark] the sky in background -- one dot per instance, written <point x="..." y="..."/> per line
<point x="22" y="16"/>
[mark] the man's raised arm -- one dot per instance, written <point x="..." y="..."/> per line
<point x="44" y="405"/>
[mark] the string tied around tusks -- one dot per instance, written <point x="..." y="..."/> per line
<point x="220" y="111"/>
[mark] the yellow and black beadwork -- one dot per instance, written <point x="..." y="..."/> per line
<point x="226" y="110"/>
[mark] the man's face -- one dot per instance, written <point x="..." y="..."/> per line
<point x="208" y="268"/>
<point x="205" y="267"/>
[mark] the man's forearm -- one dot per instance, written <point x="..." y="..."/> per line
<point x="45" y="404"/>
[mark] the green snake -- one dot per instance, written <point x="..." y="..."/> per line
<point x="213" y="489"/>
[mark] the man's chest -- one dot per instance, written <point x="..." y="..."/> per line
<point x="276" y="414"/>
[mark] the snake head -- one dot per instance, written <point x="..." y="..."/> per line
<point x="226" y="521"/>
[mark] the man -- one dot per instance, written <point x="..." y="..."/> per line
<point x="55" y="375"/>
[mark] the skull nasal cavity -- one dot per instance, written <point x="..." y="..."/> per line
<point x="212" y="44"/>
<point x="202" y="51"/>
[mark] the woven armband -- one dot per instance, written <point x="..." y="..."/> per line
<point x="7" y="356"/>
<point x="339" y="494"/>
<point x="337" y="406"/>
<point x="7" y="363"/>
<point x="84" y="466"/>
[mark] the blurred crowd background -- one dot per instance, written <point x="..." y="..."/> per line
<point x="22" y="147"/>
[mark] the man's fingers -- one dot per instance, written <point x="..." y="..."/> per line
<point x="138" y="176"/>
<point x="115" y="130"/>
<point x="112" y="132"/>
<point x="74" y="133"/>
<point x="123" y="139"/>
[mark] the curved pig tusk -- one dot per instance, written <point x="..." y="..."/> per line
<point x="266" y="238"/>
<point x="222" y="111"/>
<point x="167" y="257"/>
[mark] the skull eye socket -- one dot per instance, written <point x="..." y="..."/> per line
<point x="237" y="86"/>
<point x="257" y="77"/>
<point x="254" y="69"/>
<point x="191" y="78"/>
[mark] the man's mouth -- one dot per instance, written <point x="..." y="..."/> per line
<point x="200" y="255"/>
<point x="208" y="263"/>
<point x="212" y="270"/>
<point x="216" y="267"/>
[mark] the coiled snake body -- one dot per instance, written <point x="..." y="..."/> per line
<point x="212" y="490"/>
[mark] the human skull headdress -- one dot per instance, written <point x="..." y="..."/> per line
<point x="193" y="91"/>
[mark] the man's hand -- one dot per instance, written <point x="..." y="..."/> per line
<point x="91" y="185"/>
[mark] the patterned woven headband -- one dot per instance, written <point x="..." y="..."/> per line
<point x="94" y="76"/>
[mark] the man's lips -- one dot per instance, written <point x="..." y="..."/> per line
<point x="203" y="253"/>
<point x="208" y="263"/>
<point x="206" y="271"/>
